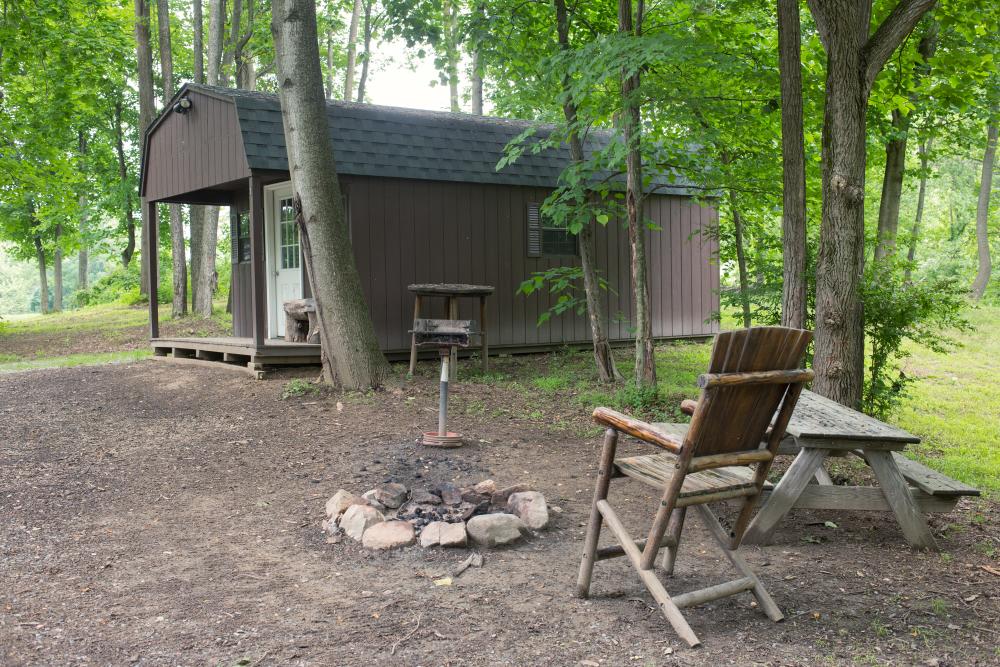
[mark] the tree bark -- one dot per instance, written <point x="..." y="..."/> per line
<point x="793" y="158"/>
<point x="198" y="47"/>
<point x="82" y="258"/>
<point x="177" y="251"/>
<point x="918" y="219"/>
<point x="983" y="213"/>
<point x="229" y="60"/>
<point x="216" y="28"/>
<point x="451" y="51"/>
<point x="477" y="61"/>
<point x="603" y="357"/>
<point x="57" y="274"/>
<point x="43" y="278"/>
<point x="201" y="298"/>
<point x="352" y="357"/>
<point x="352" y="50"/>
<point x="129" y="249"/>
<point x="329" y="63"/>
<point x="895" y="155"/>
<point x="741" y="261"/>
<point x="144" y="58"/>
<point x="363" y="81"/>
<point x="853" y="61"/>
<point x="645" y="361"/>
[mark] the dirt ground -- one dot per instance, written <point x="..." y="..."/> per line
<point x="155" y="514"/>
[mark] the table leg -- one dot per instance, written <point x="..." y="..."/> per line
<point x="785" y="494"/>
<point x="823" y="477"/>
<point x="483" y="335"/>
<point x="413" y="337"/>
<point x="897" y="494"/>
<point x="453" y="315"/>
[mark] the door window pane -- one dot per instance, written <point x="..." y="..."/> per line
<point x="288" y="236"/>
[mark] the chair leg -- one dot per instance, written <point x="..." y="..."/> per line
<point x="767" y="604"/>
<point x="674" y="529"/>
<point x="604" y="471"/>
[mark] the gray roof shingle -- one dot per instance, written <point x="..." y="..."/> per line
<point x="371" y="140"/>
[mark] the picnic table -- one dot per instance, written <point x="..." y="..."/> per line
<point x="820" y="428"/>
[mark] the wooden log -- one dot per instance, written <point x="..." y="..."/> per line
<point x="605" y="468"/>
<point x="732" y="459"/>
<point x="638" y="429"/>
<point x="301" y="321"/>
<point x="616" y="550"/>
<point x="688" y="406"/>
<point x="894" y="487"/>
<point x="703" y="595"/>
<point x="862" y="499"/>
<point x="797" y="375"/>
<point x="413" y="336"/>
<point x="784" y="495"/>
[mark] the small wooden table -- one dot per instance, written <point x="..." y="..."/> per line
<point x="452" y="292"/>
<point x="820" y="427"/>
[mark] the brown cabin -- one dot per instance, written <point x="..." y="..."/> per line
<point x="426" y="204"/>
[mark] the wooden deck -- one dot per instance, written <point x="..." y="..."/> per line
<point x="236" y="352"/>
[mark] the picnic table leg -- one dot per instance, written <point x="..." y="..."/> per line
<point x="483" y="336"/>
<point x="822" y="476"/>
<point x="897" y="494"/>
<point x="413" y="337"/>
<point x="785" y="494"/>
<point x="453" y="315"/>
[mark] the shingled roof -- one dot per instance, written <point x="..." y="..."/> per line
<point x="371" y="140"/>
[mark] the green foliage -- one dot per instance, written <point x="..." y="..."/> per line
<point x="299" y="387"/>
<point x="564" y="281"/>
<point x="923" y="312"/>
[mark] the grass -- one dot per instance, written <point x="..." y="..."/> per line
<point x="11" y="364"/>
<point x="105" y="317"/>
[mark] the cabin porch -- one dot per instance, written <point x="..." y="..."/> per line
<point x="241" y="353"/>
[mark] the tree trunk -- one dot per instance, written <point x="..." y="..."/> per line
<point x="895" y="155"/>
<point x="201" y="298"/>
<point x="82" y="256"/>
<point x="353" y="358"/>
<point x="983" y="213"/>
<point x="144" y="58"/>
<point x="741" y="261"/>
<point x="123" y="178"/>
<point x="329" y="63"/>
<point x="198" y="46"/>
<point x="216" y="27"/>
<point x="352" y="51"/>
<point x="363" y="81"/>
<point x="43" y="278"/>
<point x="645" y="361"/>
<point x="177" y="251"/>
<point x="477" y="61"/>
<point x="451" y="51"/>
<point x="229" y="60"/>
<point x="57" y="275"/>
<point x="853" y="61"/>
<point x="918" y="219"/>
<point x="603" y="357"/>
<point x="793" y="159"/>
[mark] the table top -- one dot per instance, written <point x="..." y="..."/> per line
<point x="450" y="289"/>
<point x="819" y="418"/>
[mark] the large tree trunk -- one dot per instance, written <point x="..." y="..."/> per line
<point x="853" y="61"/>
<point x="43" y="278"/>
<point x="983" y="213"/>
<point x="178" y="256"/>
<point x="451" y="51"/>
<point x="363" y="81"/>
<point x="57" y="274"/>
<point x="129" y="249"/>
<point x="352" y="357"/>
<point x="198" y="46"/>
<point x="477" y="61"/>
<point x="352" y="50"/>
<point x="741" y="261"/>
<point x="603" y="357"/>
<point x="229" y="53"/>
<point x="216" y="28"/>
<point x="793" y="159"/>
<point x="197" y="214"/>
<point x="895" y="155"/>
<point x="645" y="361"/>
<point x="918" y="219"/>
<point x="144" y="58"/>
<point x="82" y="257"/>
<point x="329" y="62"/>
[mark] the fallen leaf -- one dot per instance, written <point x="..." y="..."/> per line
<point x="443" y="581"/>
<point x="340" y="406"/>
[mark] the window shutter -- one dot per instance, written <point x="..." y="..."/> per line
<point x="234" y="235"/>
<point x="534" y="231"/>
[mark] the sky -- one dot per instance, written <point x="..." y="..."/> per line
<point x="402" y="81"/>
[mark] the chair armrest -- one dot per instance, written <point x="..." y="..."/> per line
<point x="688" y="406"/>
<point x="638" y="429"/>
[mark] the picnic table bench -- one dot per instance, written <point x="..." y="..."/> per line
<point x="820" y="428"/>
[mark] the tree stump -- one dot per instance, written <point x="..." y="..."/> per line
<point x="301" y="323"/>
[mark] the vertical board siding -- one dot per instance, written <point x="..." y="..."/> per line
<point x="200" y="149"/>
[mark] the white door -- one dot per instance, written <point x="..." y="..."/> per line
<point x="287" y="258"/>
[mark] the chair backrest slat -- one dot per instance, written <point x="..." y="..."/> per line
<point x="735" y="418"/>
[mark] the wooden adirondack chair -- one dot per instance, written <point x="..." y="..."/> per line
<point x="746" y="399"/>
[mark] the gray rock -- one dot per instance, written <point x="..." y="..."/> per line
<point x="430" y="536"/>
<point x="453" y="535"/>
<point x="450" y="494"/>
<point x="358" y="519"/>
<point x="530" y="507"/>
<point x="369" y="497"/>
<point x="340" y="501"/>
<point x="499" y="498"/>
<point x="487" y="487"/>
<point x="389" y="535"/>
<point x="422" y="497"/>
<point x="492" y="530"/>
<point x="391" y="495"/>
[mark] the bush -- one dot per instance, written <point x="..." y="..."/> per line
<point x="121" y="286"/>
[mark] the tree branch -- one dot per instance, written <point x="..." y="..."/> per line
<point x="890" y="34"/>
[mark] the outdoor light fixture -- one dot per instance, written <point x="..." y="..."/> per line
<point x="182" y="105"/>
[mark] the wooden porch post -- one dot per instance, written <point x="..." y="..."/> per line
<point x="258" y="279"/>
<point x="149" y="250"/>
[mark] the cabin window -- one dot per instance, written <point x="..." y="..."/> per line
<point x="545" y="239"/>
<point x="289" y="236"/>
<point x="243" y="237"/>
